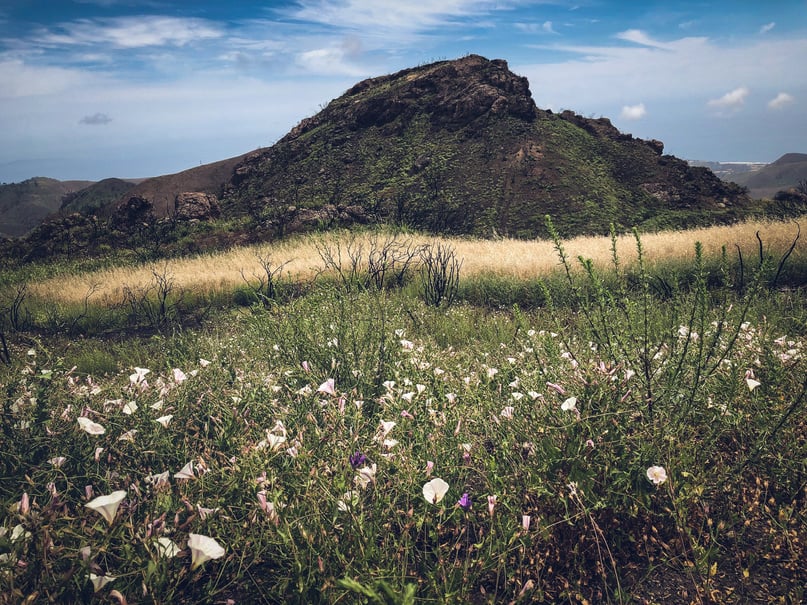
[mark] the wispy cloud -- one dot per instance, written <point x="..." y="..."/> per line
<point x="781" y="100"/>
<point x="537" y="28"/>
<point x="767" y="27"/>
<point x="130" y="32"/>
<point x="637" y="36"/>
<point x="633" y="112"/>
<point x="732" y="99"/>
<point x="95" y="119"/>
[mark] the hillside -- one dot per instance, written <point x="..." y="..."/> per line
<point x="452" y="147"/>
<point x="24" y="205"/>
<point x="785" y="173"/>
<point x="96" y="196"/>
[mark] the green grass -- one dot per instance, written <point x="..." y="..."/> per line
<point x="481" y="397"/>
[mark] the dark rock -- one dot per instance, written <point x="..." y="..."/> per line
<point x="196" y="206"/>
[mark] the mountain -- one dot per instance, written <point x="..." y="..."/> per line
<point x="454" y="146"/>
<point x="96" y="196"/>
<point x="24" y="205"/>
<point x="785" y="173"/>
<point x="460" y="146"/>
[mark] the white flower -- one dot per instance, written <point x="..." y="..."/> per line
<point x="179" y="376"/>
<point x="139" y="375"/>
<point x="348" y="501"/>
<point x="435" y="490"/>
<point x="98" y="582"/>
<point x="186" y="472"/>
<point x="58" y="461"/>
<point x="167" y="548"/>
<point x="752" y="384"/>
<point x="204" y="362"/>
<point x="128" y="435"/>
<point x="130" y="408"/>
<point x="107" y="506"/>
<point x="657" y="474"/>
<point x="569" y="405"/>
<point x="507" y="412"/>
<point x="164" y="420"/>
<point x="203" y="548"/>
<point x="365" y="475"/>
<point x="88" y="426"/>
<point x="328" y="387"/>
<point x="157" y="479"/>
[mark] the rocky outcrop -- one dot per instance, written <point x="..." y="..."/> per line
<point x="196" y="206"/>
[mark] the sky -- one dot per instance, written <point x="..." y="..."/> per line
<point x="91" y="89"/>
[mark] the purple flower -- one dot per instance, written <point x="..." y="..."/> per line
<point x="357" y="459"/>
<point x="464" y="502"/>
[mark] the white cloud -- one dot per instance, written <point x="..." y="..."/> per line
<point x="781" y="100"/>
<point x="734" y="98"/>
<point x="633" y="112"/>
<point x="767" y="27"/>
<point x="131" y="32"/>
<point x="328" y="61"/>
<point x="537" y="28"/>
<point x="639" y="37"/>
<point x="21" y="80"/>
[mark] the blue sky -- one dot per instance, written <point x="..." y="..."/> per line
<point x="91" y="89"/>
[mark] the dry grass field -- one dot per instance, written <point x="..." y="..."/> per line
<point x="522" y="259"/>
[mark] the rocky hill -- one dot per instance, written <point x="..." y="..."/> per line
<point x="785" y="173"/>
<point x="454" y="146"/>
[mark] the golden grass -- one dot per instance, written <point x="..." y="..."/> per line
<point x="225" y="271"/>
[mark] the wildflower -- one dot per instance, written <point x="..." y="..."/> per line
<point x="179" y="376"/>
<point x="590" y="443"/>
<point x="129" y="408"/>
<point x="107" y="506"/>
<point x="204" y="362"/>
<point x="464" y="502"/>
<point x="492" y="372"/>
<point x="204" y="512"/>
<point x="157" y="479"/>
<point x="128" y="435"/>
<point x="348" y="501"/>
<point x="507" y="412"/>
<point x="429" y="467"/>
<point x="167" y="548"/>
<point x="328" y="387"/>
<point x="203" y="548"/>
<point x="386" y="427"/>
<point x="365" y="475"/>
<point x="139" y="376"/>
<point x="407" y="345"/>
<point x="407" y="415"/>
<point x="569" y="405"/>
<point x="751" y="382"/>
<point x="186" y="472"/>
<point x="451" y="397"/>
<point x="164" y="420"/>
<point x="556" y="387"/>
<point x="98" y="582"/>
<point x="525" y="522"/>
<point x="88" y="426"/>
<point x="58" y="461"/>
<point x="25" y="504"/>
<point x="98" y="452"/>
<point x="435" y="490"/>
<point x="357" y="459"/>
<point x="657" y="474"/>
<point x="491" y="504"/>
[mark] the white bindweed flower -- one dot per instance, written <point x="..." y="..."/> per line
<point x="167" y="548"/>
<point x="507" y="412"/>
<point x="139" y="375"/>
<point x="88" y="426"/>
<point x="328" y="387"/>
<point x="58" y="461"/>
<point x="157" y="479"/>
<point x="435" y="490"/>
<point x="129" y="408"/>
<point x="107" y="506"/>
<point x="203" y="548"/>
<point x="569" y="405"/>
<point x="186" y="472"/>
<point x="365" y="475"/>
<point x="752" y="384"/>
<point x="349" y="500"/>
<point x="98" y="582"/>
<point x="657" y="474"/>
<point x="164" y="420"/>
<point x="128" y="435"/>
<point x="179" y="376"/>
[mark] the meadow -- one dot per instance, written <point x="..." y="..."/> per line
<point x="390" y="418"/>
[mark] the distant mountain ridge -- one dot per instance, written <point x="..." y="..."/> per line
<point x="25" y="205"/>
<point x="785" y="173"/>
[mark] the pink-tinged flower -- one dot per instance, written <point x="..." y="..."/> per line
<point x="186" y="472"/>
<point x="128" y="435"/>
<point x="365" y="475"/>
<point x="328" y="387"/>
<point x="204" y="512"/>
<point x="406" y="414"/>
<point x="507" y="412"/>
<point x="98" y="452"/>
<point x="306" y="367"/>
<point x="107" y="506"/>
<point x="204" y="363"/>
<point x="491" y="504"/>
<point x="88" y="426"/>
<point x="590" y="443"/>
<point x="269" y="508"/>
<point x="98" y="582"/>
<point x="157" y="479"/>
<point x="429" y="467"/>
<point x="492" y="372"/>
<point x="451" y="398"/>
<point x="179" y="376"/>
<point x="657" y="474"/>
<point x="407" y="345"/>
<point x="556" y="387"/>
<point x="435" y="490"/>
<point x="464" y="502"/>
<point x="525" y="522"/>
<point x="203" y="548"/>
<point x="385" y="427"/>
<point x="25" y="504"/>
